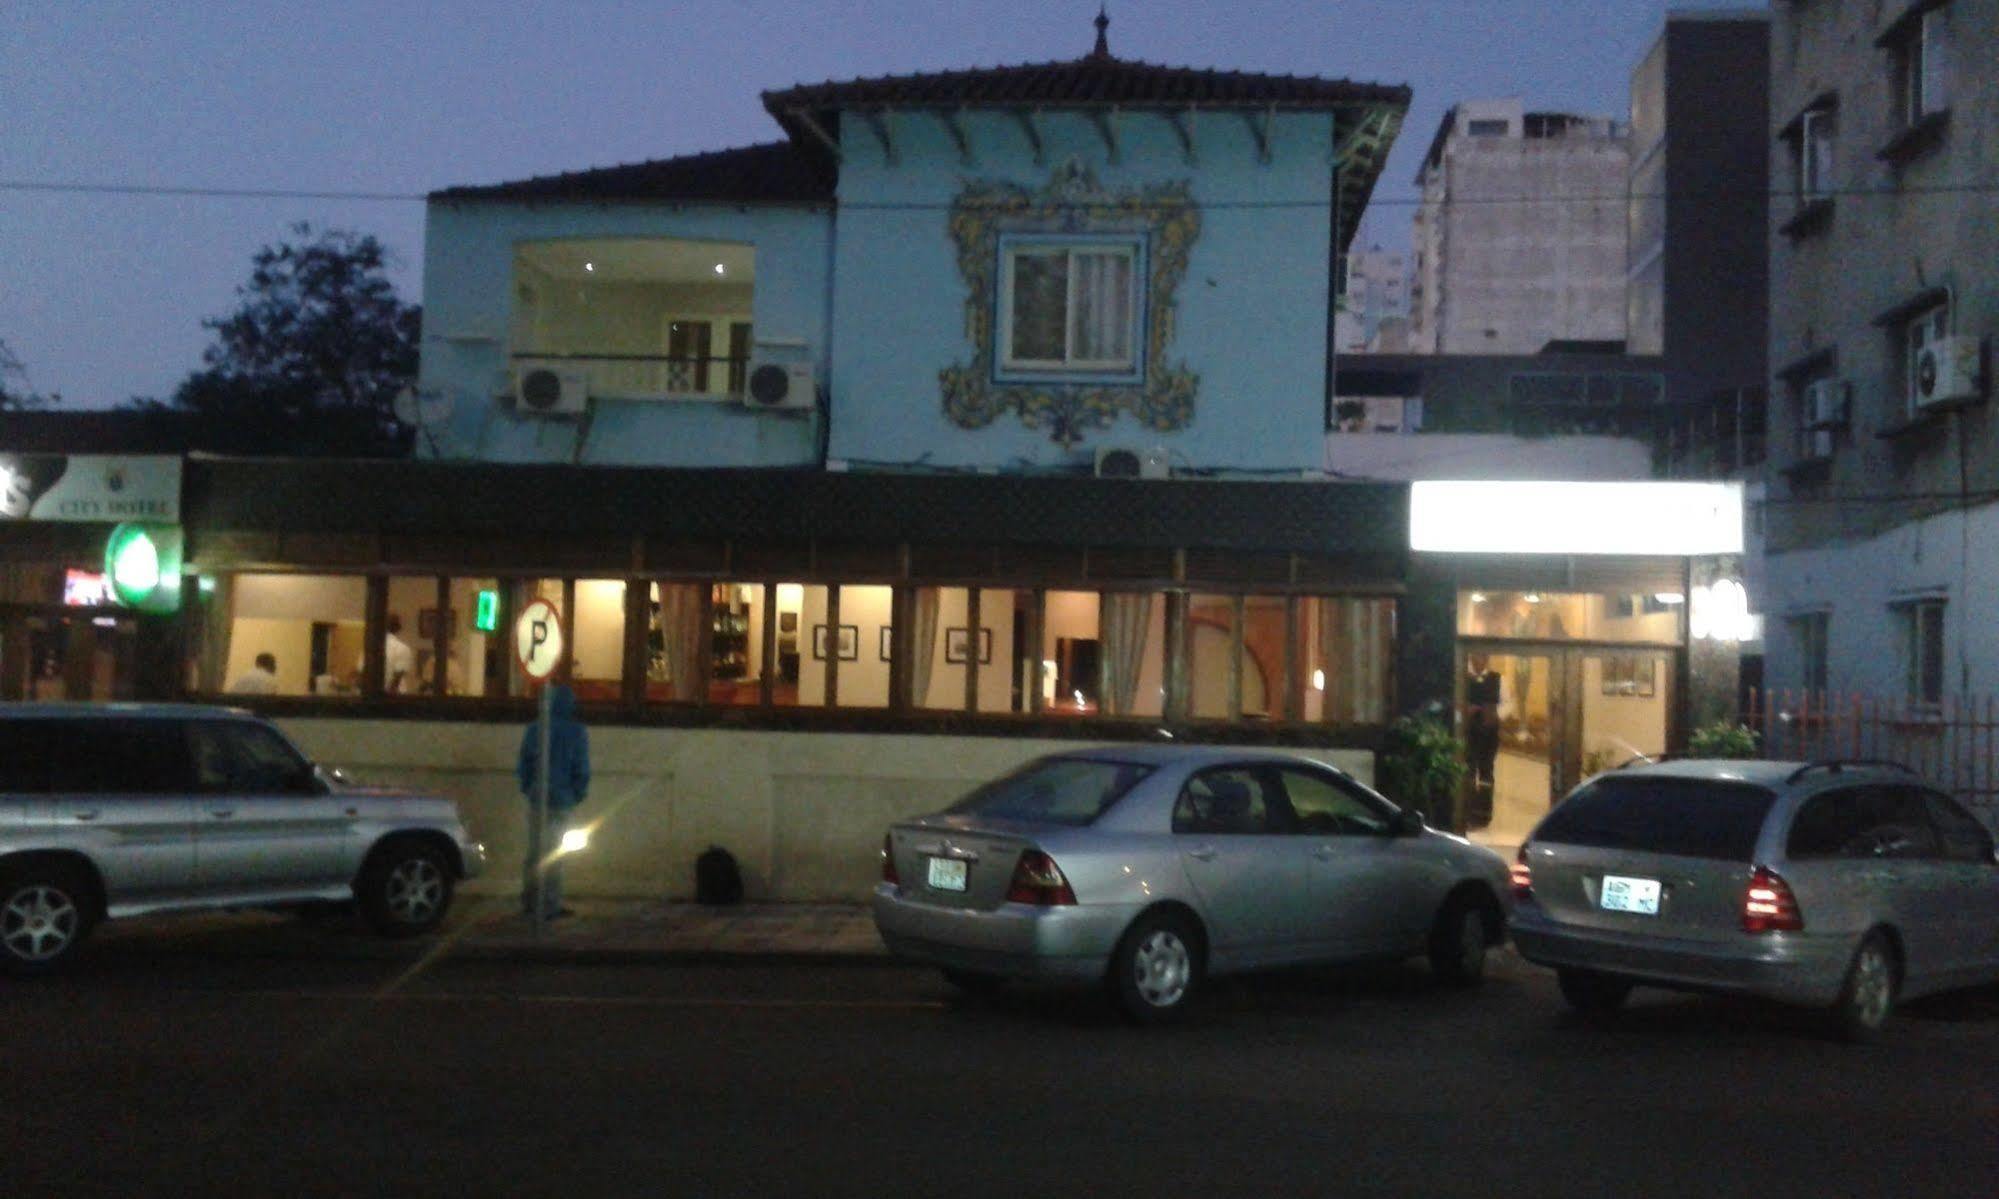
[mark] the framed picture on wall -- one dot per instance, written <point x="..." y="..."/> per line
<point x="787" y="622"/>
<point x="887" y="642"/>
<point x="849" y="644"/>
<point x="958" y="645"/>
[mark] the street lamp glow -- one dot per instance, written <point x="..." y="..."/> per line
<point x="574" y="840"/>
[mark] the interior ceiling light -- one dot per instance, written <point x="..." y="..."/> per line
<point x="589" y="266"/>
<point x="719" y="269"/>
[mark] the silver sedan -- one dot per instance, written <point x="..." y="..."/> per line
<point x="1153" y="868"/>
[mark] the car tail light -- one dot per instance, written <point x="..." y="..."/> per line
<point x="1523" y="876"/>
<point x="888" y="861"/>
<point x="1038" y="880"/>
<point x="1768" y="905"/>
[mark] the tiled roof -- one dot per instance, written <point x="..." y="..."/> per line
<point x="766" y="173"/>
<point x="1088" y="81"/>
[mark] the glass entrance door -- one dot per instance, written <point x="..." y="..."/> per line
<point x="1537" y="721"/>
<point x="1513" y="705"/>
<point x="1623" y="708"/>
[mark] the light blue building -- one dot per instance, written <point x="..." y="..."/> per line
<point x="1003" y="270"/>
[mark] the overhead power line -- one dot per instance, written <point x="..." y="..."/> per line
<point x="1712" y="195"/>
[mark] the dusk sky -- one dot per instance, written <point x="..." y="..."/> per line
<point x="102" y="295"/>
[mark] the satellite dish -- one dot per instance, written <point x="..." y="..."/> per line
<point x="422" y="409"/>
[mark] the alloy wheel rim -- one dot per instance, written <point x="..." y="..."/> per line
<point x="415" y="890"/>
<point x="1162" y="967"/>
<point x="1471" y="943"/>
<point x="1873" y="987"/>
<point x="38" y="923"/>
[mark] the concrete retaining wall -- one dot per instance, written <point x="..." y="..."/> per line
<point x="803" y="812"/>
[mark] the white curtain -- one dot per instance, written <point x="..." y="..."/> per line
<point x="1100" y="322"/>
<point x="923" y="644"/>
<point x="1127" y="618"/>
<point x="1357" y="641"/>
<point x="680" y="628"/>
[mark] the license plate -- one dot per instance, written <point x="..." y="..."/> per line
<point x="1636" y="895"/>
<point x="947" y="874"/>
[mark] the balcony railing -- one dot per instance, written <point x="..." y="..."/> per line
<point x="654" y="376"/>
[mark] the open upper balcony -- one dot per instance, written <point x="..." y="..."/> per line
<point x="640" y="318"/>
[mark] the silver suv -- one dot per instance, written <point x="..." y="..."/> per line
<point x="111" y="811"/>
<point x="1840" y="885"/>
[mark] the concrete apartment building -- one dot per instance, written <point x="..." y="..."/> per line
<point x="1496" y="273"/>
<point x="1376" y="301"/>
<point x="1882" y="521"/>
<point x="1697" y="287"/>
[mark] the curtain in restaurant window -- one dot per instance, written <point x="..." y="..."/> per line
<point x="922" y="644"/>
<point x="213" y="663"/>
<point x="1126" y="619"/>
<point x="1100" y="328"/>
<point x="680" y="627"/>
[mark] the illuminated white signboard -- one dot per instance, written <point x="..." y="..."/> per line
<point x="1575" y="518"/>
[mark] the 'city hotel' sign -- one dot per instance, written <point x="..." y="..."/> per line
<point x="90" y="487"/>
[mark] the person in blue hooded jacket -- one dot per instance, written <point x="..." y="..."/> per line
<point x="568" y="784"/>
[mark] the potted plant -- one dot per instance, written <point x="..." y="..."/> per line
<point x="1421" y="767"/>
<point x="1723" y="739"/>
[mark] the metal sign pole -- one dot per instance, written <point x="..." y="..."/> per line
<point x="537" y="836"/>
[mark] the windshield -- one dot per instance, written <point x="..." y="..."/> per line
<point x="1691" y="818"/>
<point x="1072" y="791"/>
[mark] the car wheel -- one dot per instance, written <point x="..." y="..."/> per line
<point x="1458" y="942"/>
<point x="1592" y="993"/>
<point x="974" y="982"/>
<point x="45" y="913"/>
<point x="1868" y="996"/>
<point x="405" y="889"/>
<point x="1157" y="969"/>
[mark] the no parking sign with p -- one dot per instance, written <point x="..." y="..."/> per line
<point x="538" y="639"/>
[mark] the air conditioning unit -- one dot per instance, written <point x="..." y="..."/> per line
<point x="549" y="389"/>
<point x="1118" y="462"/>
<point x="1947" y="373"/>
<point x="1825" y="405"/>
<point x="780" y="386"/>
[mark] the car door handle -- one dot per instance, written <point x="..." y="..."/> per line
<point x="1325" y="853"/>
<point x="353" y="811"/>
<point x="222" y="813"/>
<point x="89" y="814"/>
<point x="1203" y="853"/>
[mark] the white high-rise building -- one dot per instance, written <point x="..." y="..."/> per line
<point x="1520" y="237"/>
<point x="1377" y="290"/>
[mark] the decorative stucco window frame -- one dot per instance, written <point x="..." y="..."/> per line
<point x="986" y="217"/>
<point x="1005" y="370"/>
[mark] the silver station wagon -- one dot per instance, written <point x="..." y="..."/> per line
<point x="1152" y="868"/>
<point x="124" y="810"/>
<point x="1840" y="885"/>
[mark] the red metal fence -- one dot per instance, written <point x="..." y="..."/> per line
<point x="1954" y="744"/>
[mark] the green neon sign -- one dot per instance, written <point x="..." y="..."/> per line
<point x="143" y="563"/>
<point x="487" y="618"/>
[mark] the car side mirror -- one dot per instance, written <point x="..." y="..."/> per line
<point x="1408" y="823"/>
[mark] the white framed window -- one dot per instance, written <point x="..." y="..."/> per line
<point x="1821" y="414"/>
<point x="1922" y="630"/>
<point x="1815" y="149"/>
<point x="1923" y="329"/>
<point x="1925" y="81"/>
<point x="1070" y="307"/>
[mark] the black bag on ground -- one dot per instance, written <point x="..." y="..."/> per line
<point x="717" y="879"/>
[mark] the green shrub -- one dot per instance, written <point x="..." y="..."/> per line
<point x="1723" y="739"/>
<point x="1421" y="767"/>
